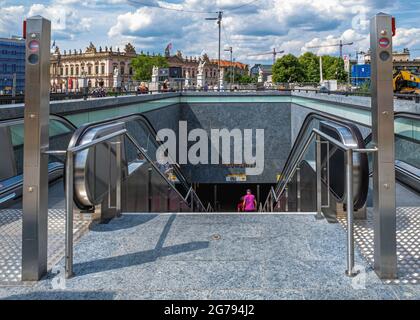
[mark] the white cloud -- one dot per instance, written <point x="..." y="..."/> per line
<point x="407" y="37"/>
<point x="11" y="20"/>
<point x="66" y="21"/>
<point x="257" y="27"/>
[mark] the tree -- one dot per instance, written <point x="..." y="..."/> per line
<point x="143" y="65"/>
<point x="239" y="78"/>
<point x="333" y="68"/>
<point x="310" y="65"/>
<point x="246" y="79"/>
<point x="288" y="69"/>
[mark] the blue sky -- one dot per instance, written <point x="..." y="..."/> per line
<point x="248" y="26"/>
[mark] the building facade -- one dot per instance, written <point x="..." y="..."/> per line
<point x="12" y="65"/>
<point x="97" y="66"/>
<point x="190" y="65"/>
<point x="402" y="61"/>
<point x="227" y="67"/>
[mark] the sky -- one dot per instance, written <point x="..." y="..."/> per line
<point x="249" y="26"/>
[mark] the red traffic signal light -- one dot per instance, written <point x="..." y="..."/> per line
<point x="394" y="27"/>
<point x="24" y="29"/>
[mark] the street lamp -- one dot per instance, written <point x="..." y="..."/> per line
<point x="219" y="23"/>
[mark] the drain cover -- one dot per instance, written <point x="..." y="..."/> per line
<point x="216" y="237"/>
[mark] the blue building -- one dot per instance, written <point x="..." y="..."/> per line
<point x="360" y="74"/>
<point x="12" y="61"/>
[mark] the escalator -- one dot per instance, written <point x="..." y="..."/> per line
<point x="147" y="185"/>
<point x="301" y="162"/>
<point x="90" y="186"/>
<point x="11" y="144"/>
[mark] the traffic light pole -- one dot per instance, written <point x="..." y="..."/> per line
<point x="36" y="143"/>
<point x="384" y="206"/>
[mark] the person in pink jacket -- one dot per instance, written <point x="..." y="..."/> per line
<point x="250" y="203"/>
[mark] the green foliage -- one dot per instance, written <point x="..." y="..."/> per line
<point x="241" y="79"/>
<point x="333" y="68"/>
<point x="143" y="65"/>
<point x="288" y="69"/>
<point x="246" y="79"/>
<point x="310" y="66"/>
<point x="364" y="87"/>
<point x="306" y="68"/>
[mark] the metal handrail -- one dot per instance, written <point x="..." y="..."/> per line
<point x="137" y="116"/>
<point x="69" y="194"/>
<point x="209" y="208"/>
<point x="146" y="156"/>
<point x="315" y="133"/>
<point x="70" y="180"/>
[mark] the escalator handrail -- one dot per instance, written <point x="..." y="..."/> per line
<point x="82" y="147"/>
<point x="146" y="156"/>
<point x="309" y="118"/>
<point x="11" y="184"/>
<point x="402" y="114"/>
<point x="397" y="115"/>
<point x="78" y="134"/>
<point x="322" y="116"/>
<point x="53" y="116"/>
<point x="307" y="142"/>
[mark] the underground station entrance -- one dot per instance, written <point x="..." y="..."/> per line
<point x="91" y="199"/>
<point x="226" y="197"/>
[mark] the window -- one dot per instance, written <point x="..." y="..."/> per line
<point x="131" y="71"/>
<point x="96" y="69"/>
<point x="77" y="71"/>
<point x="67" y="71"/>
<point x="89" y="69"/>
<point x="103" y="69"/>
<point x="122" y="69"/>
<point x="61" y="71"/>
<point x="71" y="71"/>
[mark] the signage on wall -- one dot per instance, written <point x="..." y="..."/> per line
<point x="236" y="178"/>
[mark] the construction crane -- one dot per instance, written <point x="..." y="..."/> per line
<point x="274" y="53"/>
<point x="341" y="44"/>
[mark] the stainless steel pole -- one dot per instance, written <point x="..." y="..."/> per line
<point x="384" y="212"/>
<point x="69" y="215"/>
<point x="118" y="189"/>
<point x="318" y="179"/>
<point x="298" y="194"/>
<point x="36" y="142"/>
<point x="349" y="200"/>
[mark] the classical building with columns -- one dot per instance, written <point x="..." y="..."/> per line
<point x="190" y="65"/>
<point x="96" y="65"/>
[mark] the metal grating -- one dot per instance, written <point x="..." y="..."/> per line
<point x="11" y="240"/>
<point x="408" y="242"/>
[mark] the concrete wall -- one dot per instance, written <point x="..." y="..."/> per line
<point x="274" y="118"/>
<point x="66" y="107"/>
<point x="299" y="114"/>
<point x="400" y="105"/>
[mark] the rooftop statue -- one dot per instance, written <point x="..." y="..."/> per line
<point x="201" y="65"/>
<point x="129" y="48"/>
<point x="91" y="48"/>
<point x="155" y="71"/>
